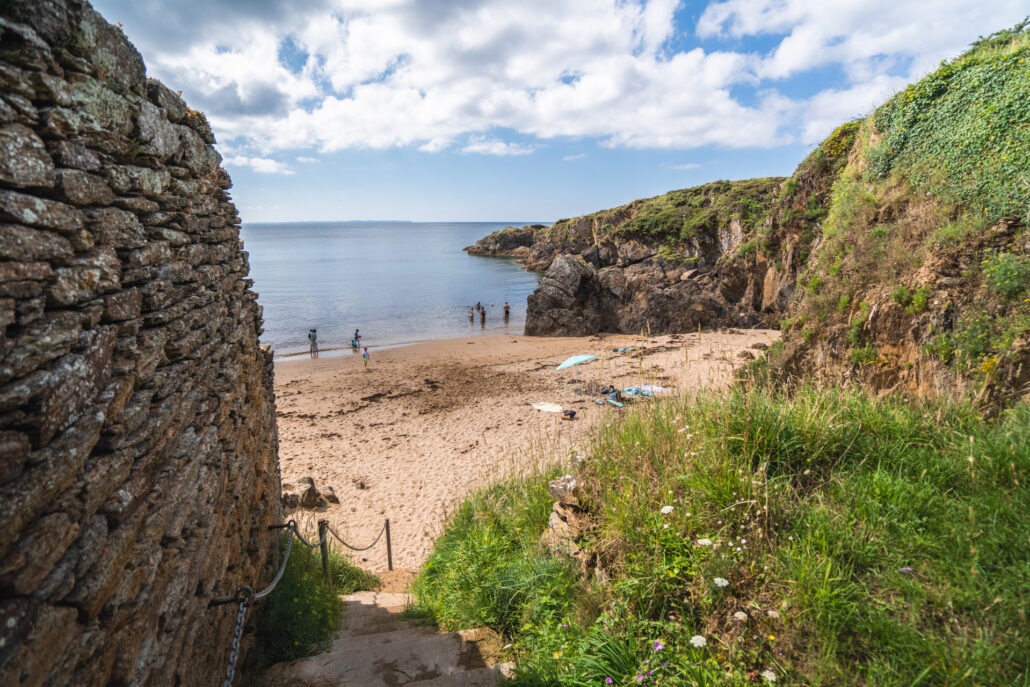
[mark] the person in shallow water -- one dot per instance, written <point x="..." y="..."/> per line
<point x="507" y="310"/>
<point x="482" y="317"/>
<point x="313" y="340"/>
<point x="472" y="314"/>
<point x="479" y="306"/>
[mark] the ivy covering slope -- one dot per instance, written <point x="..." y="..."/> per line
<point x="923" y="254"/>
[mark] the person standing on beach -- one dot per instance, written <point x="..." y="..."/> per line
<point x="313" y="340"/>
<point x="364" y="358"/>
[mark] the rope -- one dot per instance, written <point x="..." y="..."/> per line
<point x="305" y="542"/>
<point x="353" y="548"/>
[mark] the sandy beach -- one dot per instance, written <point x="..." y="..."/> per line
<point x="427" y="423"/>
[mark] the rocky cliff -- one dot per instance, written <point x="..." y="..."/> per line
<point x="672" y="263"/>
<point x="138" y="449"/>
<point x="897" y="255"/>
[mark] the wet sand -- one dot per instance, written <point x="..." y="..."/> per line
<point x="427" y="423"/>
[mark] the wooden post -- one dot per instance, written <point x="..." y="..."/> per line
<point x="323" y="539"/>
<point x="389" y="547"/>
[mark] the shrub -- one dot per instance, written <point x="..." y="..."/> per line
<point x="301" y="614"/>
<point x="1006" y="274"/>
<point x="855" y="330"/>
<point x="844" y="303"/>
<point x="920" y="299"/>
<point x="901" y="295"/>
<point x="865" y="355"/>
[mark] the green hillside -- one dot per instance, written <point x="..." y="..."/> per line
<point x="871" y="533"/>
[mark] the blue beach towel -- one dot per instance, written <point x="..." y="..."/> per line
<point x="575" y="360"/>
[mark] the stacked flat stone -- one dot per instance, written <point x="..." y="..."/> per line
<point x="138" y="446"/>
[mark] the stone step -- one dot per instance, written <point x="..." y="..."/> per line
<point x="380" y="665"/>
<point x="372" y="623"/>
<point x="390" y="635"/>
<point x="480" y="677"/>
<point x="380" y="598"/>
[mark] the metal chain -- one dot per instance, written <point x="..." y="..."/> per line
<point x="282" y="567"/>
<point x="245" y="594"/>
<point x="354" y="548"/>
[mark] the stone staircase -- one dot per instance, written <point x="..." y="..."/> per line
<point x="379" y="647"/>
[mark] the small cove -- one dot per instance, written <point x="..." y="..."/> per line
<point x="398" y="282"/>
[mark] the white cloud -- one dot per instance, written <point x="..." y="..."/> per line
<point x="683" y="167"/>
<point x="495" y="146"/>
<point x="577" y="156"/>
<point x="263" y="165"/>
<point x="443" y="75"/>
<point x="307" y="160"/>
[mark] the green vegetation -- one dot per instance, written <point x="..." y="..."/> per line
<point x="902" y="295"/>
<point x="963" y="132"/>
<point x="980" y="339"/>
<point x="488" y="570"/>
<point x="301" y="614"/>
<point x="679" y="216"/>
<point x="864" y="355"/>
<point x="920" y="299"/>
<point x="1007" y="275"/>
<point x="824" y="538"/>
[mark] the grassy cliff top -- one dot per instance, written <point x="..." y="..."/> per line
<point x="681" y="215"/>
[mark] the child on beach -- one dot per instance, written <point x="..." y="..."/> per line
<point x="364" y="358"/>
<point x="313" y="339"/>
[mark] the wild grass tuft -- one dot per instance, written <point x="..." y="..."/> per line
<point x="302" y="613"/>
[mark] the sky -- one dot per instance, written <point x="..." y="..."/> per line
<point x="528" y="110"/>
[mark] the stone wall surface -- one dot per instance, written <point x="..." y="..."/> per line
<point x="138" y="448"/>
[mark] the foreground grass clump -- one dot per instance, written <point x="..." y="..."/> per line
<point x="302" y="613"/>
<point x="823" y="538"/>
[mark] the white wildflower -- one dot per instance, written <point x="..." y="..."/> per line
<point x="667" y="509"/>
<point x="704" y="542"/>
<point x="769" y="675"/>
<point x="773" y="614"/>
<point x="698" y="641"/>
<point x="740" y="615"/>
<point x="721" y="582"/>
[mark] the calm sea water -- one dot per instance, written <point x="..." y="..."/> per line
<point x="399" y="282"/>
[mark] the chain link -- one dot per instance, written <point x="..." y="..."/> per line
<point x="354" y="548"/>
<point x="245" y="594"/>
<point x="282" y="566"/>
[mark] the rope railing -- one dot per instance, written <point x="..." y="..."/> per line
<point x="245" y="595"/>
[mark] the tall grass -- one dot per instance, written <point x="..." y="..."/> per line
<point x="301" y="615"/>
<point x="827" y="537"/>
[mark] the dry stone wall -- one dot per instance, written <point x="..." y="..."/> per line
<point x="138" y="446"/>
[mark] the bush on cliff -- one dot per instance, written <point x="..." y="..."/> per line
<point x="824" y="538"/>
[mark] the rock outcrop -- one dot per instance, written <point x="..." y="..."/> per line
<point x="138" y="447"/>
<point x="671" y="263"/>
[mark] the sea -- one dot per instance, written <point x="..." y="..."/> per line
<point x="398" y="282"/>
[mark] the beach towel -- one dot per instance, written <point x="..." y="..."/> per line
<point x="654" y="389"/>
<point x="636" y="391"/>
<point x="576" y="360"/>
<point x="547" y="407"/>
